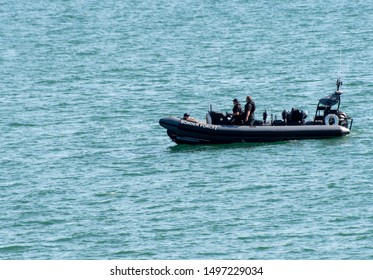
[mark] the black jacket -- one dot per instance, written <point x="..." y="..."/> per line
<point x="237" y="108"/>
<point x="250" y="106"/>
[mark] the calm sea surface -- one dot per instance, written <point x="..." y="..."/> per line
<point x="86" y="172"/>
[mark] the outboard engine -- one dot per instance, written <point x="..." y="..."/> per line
<point x="343" y="119"/>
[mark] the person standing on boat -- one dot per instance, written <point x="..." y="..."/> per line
<point x="249" y="111"/>
<point x="237" y="112"/>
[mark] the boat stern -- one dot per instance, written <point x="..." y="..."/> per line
<point x="344" y="130"/>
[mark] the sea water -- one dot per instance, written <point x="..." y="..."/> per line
<point x="86" y="172"/>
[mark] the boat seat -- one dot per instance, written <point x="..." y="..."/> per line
<point x="321" y="107"/>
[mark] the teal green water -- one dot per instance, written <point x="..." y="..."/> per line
<point x="86" y="172"/>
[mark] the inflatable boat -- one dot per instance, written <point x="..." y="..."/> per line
<point x="221" y="128"/>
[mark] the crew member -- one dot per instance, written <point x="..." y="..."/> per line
<point x="249" y="111"/>
<point x="188" y="118"/>
<point x="237" y="112"/>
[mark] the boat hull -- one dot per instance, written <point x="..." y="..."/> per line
<point x="181" y="131"/>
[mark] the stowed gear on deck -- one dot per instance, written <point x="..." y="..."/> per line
<point x="327" y="113"/>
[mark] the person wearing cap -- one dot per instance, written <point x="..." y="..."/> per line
<point x="237" y="112"/>
<point x="188" y="118"/>
<point x="249" y="111"/>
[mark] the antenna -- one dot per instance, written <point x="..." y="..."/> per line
<point x="340" y="63"/>
<point x="339" y="80"/>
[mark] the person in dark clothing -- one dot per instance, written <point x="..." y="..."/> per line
<point x="249" y="111"/>
<point x="237" y="108"/>
<point x="237" y="112"/>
